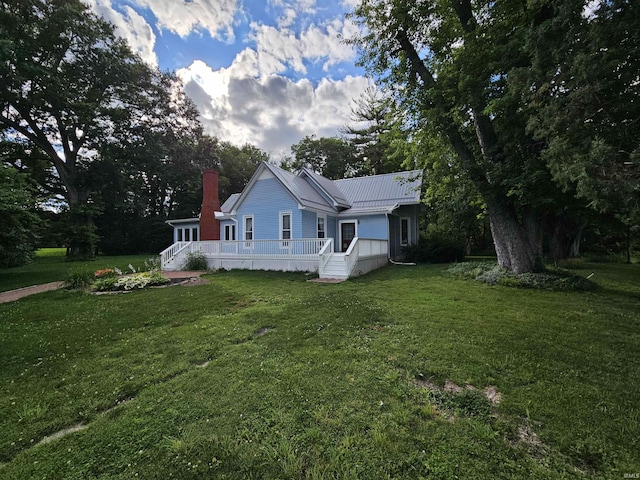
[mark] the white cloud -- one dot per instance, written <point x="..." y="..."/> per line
<point x="287" y="18"/>
<point x="131" y="26"/>
<point x="271" y="112"/>
<point x="300" y="6"/>
<point x="590" y="9"/>
<point x="350" y="4"/>
<point x="278" y="49"/>
<point x="249" y="101"/>
<point x="306" y="6"/>
<point x="184" y="17"/>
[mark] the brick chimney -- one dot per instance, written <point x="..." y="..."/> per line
<point x="209" y="226"/>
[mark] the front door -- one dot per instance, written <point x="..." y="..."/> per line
<point x="347" y="233"/>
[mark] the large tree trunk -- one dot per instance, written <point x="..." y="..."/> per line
<point x="514" y="249"/>
<point x="81" y="230"/>
<point x="82" y="242"/>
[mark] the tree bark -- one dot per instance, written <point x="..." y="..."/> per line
<point x="514" y="249"/>
<point x="81" y="230"/>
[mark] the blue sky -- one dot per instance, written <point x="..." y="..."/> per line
<point x="263" y="72"/>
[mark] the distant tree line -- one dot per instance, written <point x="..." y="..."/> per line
<point x="108" y="145"/>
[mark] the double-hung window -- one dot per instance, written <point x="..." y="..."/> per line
<point x="322" y="221"/>
<point x="285" y="229"/>
<point x="248" y="231"/>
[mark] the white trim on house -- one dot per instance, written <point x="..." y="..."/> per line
<point x="187" y="234"/>
<point x="285" y="234"/>
<point x="245" y="231"/>
<point x="340" y="222"/>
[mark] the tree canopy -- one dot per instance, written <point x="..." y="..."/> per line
<point x="331" y="157"/>
<point x="19" y="223"/>
<point x="483" y="76"/>
<point x="75" y="92"/>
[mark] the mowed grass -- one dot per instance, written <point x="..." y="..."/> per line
<point x="267" y="376"/>
<point x="50" y="265"/>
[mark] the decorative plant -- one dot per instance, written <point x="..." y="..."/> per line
<point x="105" y="272"/>
<point x="135" y="281"/>
<point x="196" y="261"/>
<point x="78" y="279"/>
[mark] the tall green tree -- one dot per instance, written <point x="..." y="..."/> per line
<point x="236" y="165"/>
<point x="463" y="68"/>
<point x="372" y="132"/>
<point x="19" y="223"/>
<point x="73" y="90"/>
<point x="331" y="157"/>
<point x="584" y="93"/>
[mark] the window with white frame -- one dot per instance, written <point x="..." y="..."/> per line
<point x="179" y="239"/>
<point x="229" y="232"/>
<point x="248" y="230"/>
<point x="285" y="228"/>
<point x="187" y="236"/>
<point x="194" y="234"/>
<point x="322" y="222"/>
<point x="405" y="223"/>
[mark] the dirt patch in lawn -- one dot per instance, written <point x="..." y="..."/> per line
<point x="490" y="393"/>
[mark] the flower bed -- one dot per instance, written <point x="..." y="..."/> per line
<point x="135" y="281"/>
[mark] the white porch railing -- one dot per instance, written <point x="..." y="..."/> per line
<point x="305" y="248"/>
<point x="314" y="254"/>
<point x="169" y="254"/>
<point x="361" y="248"/>
<point x="325" y="254"/>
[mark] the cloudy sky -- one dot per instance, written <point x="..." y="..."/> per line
<point x="266" y="72"/>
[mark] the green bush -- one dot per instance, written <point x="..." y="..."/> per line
<point x="433" y="250"/>
<point x="104" y="284"/>
<point x="471" y="269"/>
<point x="79" y="279"/>
<point x="196" y="261"/>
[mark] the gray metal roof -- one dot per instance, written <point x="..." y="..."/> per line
<point x="351" y="196"/>
<point x="301" y="189"/>
<point x="229" y="203"/>
<point x="328" y="186"/>
<point x="358" y="195"/>
<point x="373" y="193"/>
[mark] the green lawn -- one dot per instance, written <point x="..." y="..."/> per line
<point x="50" y="265"/>
<point x="267" y="376"/>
